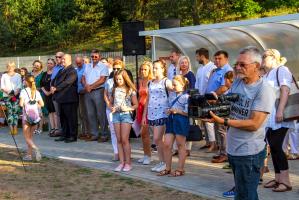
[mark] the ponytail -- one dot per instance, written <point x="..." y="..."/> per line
<point x="31" y="84"/>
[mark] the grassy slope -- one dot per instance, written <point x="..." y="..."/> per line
<point x="109" y="40"/>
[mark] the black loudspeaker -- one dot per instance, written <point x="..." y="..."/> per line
<point x="133" y="44"/>
<point x="169" y="23"/>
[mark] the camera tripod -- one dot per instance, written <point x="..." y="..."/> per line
<point x="13" y="137"/>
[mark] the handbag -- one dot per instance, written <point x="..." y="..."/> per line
<point x="195" y="133"/>
<point x="291" y="110"/>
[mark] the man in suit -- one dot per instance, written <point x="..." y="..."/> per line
<point x="65" y="93"/>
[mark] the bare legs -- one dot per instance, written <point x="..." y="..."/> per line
<point x="28" y="134"/>
<point x="181" y="143"/>
<point x="122" y="131"/>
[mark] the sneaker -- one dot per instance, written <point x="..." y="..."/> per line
<point x="229" y="194"/>
<point x="127" y="168"/>
<point x="161" y="168"/>
<point x="154" y="169"/>
<point x="119" y="168"/>
<point x="147" y="160"/>
<point x="141" y="160"/>
<point x="27" y="158"/>
<point x="38" y="156"/>
<point x="38" y="131"/>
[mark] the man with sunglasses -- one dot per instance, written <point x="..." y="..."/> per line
<point x="93" y="79"/>
<point x="247" y="122"/>
<point x="58" y="57"/>
<point x="217" y="84"/>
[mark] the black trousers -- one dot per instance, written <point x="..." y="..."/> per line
<point x="69" y="119"/>
<point x="275" y="139"/>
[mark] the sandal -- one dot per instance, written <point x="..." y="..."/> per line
<point x="271" y="184"/>
<point x="164" y="172"/>
<point x="177" y="173"/>
<point x="285" y="189"/>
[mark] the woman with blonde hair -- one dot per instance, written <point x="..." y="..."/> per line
<point x="11" y="84"/>
<point x="177" y="126"/>
<point x="280" y="78"/>
<point x="145" y="75"/>
<point x="31" y="102"/>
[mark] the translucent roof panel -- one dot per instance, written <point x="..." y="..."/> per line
<point x="281" y="33"/>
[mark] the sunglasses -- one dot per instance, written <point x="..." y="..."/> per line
<point x="58" y="56"/>
<point x="94" y="56"/>
<point x="116" y="69"/>
<point x="242" y="65"/>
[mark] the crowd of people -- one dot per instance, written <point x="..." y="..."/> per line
<point x="108" y="99"/>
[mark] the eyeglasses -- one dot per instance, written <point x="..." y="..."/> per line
<point x="116" y="69"/>
<point x="242" y="65"/>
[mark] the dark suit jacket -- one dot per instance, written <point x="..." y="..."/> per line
<point x="66" y="86"/>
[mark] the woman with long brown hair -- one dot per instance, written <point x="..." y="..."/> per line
<point x="31" y="102"/>
<point x="122" y="103"/>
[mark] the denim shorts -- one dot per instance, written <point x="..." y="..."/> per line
<point x="157" y="122"/>
<point x="122" y="117"/>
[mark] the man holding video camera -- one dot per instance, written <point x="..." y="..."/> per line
<point x="217" y="84"/>
<point x="248" y="117"/>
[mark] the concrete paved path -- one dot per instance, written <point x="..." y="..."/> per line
<point x="202" y="177"/>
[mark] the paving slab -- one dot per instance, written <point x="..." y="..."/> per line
<point x="202" y="177"/>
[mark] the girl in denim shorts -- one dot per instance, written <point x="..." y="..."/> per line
<point x="156" y="106"/>
<point x="124" y="102"/>
<point x="177" y="126"/>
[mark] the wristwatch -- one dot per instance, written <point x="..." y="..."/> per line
<point x="225" y="123"/>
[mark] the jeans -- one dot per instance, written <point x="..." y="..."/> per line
<point x="246" y="171"/>
<point x="96" y="112"/>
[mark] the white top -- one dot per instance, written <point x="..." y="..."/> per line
<point x="285" y="78"/>
<point x="158" y="101"/>
<point x="25" y="97"/>
<point x="202" y="77"/>
<point x="92" y="74"/>
<point x="11" y="82"/>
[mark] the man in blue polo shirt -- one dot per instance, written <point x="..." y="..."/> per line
<point x="218" y="85"/>
<point x="56" y="69"/>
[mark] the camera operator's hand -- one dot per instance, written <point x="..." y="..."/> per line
<point x="216" y="119"/>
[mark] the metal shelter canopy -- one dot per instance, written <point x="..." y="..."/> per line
<point x="280" y="32"/>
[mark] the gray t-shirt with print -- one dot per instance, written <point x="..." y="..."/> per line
<point x="258" y="96"/>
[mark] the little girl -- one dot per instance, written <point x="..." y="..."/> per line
<point x="177" y="126"/>
<point x="156" y="106"/>
<point x="30" y="97"/>
<point x="124" y="101"/>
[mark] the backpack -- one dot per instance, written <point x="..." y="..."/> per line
<point x="31" y="111"/>
<point x="165" y="87"/>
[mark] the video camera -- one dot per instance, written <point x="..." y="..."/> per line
<point x="199" y="106"/>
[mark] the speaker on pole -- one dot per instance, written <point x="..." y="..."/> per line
<point x="133" y="44"/>
<point x="169" y="23"/>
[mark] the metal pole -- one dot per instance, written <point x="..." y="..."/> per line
<point x="137" y="84"/>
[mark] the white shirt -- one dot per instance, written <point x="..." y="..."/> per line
<point x="26" y="98"/>
<point x="92" y="74"/>
<point x="10" y="82"/>
<point x="172" y="71"/>
<point x="285" y="78"/>
<point x="158" y="101"/>
<point x="202" y="77"/>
